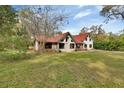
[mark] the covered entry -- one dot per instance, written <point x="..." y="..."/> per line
<point x="48" y="45"/>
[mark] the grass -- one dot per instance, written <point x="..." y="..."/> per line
<point x="76" y="69"/>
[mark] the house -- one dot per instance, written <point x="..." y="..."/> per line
<point x="65" y="42"/>
<point x="83" y="41"/>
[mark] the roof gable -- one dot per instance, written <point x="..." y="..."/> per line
<point x="81" y="37"/>
<point x="59" y="37"/>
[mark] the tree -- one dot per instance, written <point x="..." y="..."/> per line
<point x="113" y="12"/>
<point x="94" y="29"/>
<point x="7" y="23"/>
<point x="84" y="29"/>
<point x="97" y="29"/>
<point x="97" y="32"/>
<point x="12" y="33"/>
<point x="7" y="19"/>
<point x="121" y="32"/>
<point x="45" y="20"/>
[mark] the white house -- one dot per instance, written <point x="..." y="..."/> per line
<point x="65" y="42"/>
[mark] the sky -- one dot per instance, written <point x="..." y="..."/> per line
<point x="85" y="16"/>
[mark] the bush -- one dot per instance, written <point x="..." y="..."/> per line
<point x="13" y="55"/>
<point x="121" y="48"/>
<point x="108" y="45"/>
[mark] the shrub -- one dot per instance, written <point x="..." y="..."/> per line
<point x="14" y="55"/>
<point x="121" y="48"/>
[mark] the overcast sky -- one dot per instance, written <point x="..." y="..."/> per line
<point x="81" y="16"/>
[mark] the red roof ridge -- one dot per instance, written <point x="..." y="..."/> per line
<point x="77" y="38"/>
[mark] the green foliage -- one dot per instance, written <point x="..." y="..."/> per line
<point x="12" y="34"/>
<point x="7" y="23"/>
<point x="110" y="43"/>
<point x="112" y="12"/>
<point x="121" y="40"/>
<point x="13" y="55"/>
<point x="15" y="42"/>
<point x="7" y="19"/>
<point x="19" y="42"/>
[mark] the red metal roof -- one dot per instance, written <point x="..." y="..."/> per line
<point x="81" y="37"/>
<point x="77" y="38"/>
<point x="57" y="38"/>
<point x="54" y="39"/>
<point x="40" y="37"/>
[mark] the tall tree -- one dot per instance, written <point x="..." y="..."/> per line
<point x="7" y="19"/>
<point x="45" y="20"/>
<point x="84" y="29"/>
<point x="113" y="12"/>
<point x="7" y="23"/>
<point x="97" y="29"/>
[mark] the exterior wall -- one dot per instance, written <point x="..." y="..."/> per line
<point x="54" y="46"/>
<point x="79" y="46"/>
<point x="88" y="42"/>
<point x="67" y="45"/>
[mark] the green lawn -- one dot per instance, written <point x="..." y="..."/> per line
<point x="76" y="69"/>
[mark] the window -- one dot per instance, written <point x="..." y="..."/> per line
<point x="71" y="46"/>
<point x="81" y="46"/>
<point x="67" y="39"/>
<point x="62" y="40"/>
<point x="48" y="45"/>
<point x="90" y="45"/>
<point x="85" y="46"/>
<point x="90" y="39"/>
<point x="61" y="45"/>
<point x="71" y="40"/>
<point x="77" y="46"/>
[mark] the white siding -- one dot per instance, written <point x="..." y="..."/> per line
<point x="67" y="45"/>
<point x="88" y="42"/>
<point x="54" y="46"/>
